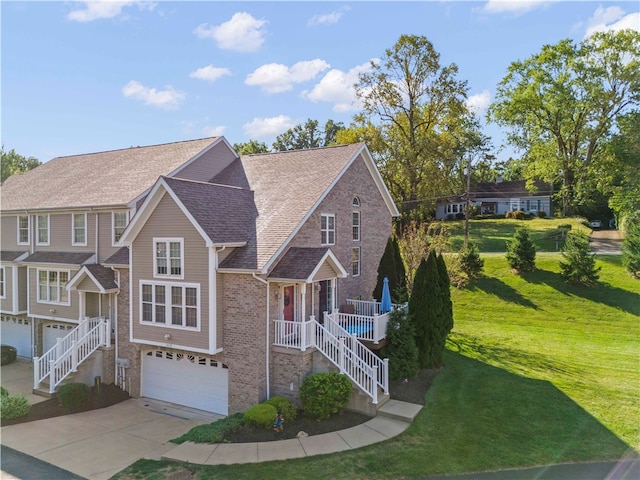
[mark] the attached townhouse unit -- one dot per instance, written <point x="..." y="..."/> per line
<point x="198" y="277"/>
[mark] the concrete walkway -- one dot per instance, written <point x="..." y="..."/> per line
<point x="393" y="418"/>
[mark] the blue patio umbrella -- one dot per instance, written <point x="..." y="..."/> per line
<point x="386" y="297"/>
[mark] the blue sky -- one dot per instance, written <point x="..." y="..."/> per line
<point x="80" y="77"/>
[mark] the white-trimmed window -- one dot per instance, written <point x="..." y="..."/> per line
<point x="356" y="226"/>
<point x="327" y="229"/>
<point x="24" y="230"/>
<point x="52" y="286"/>
<point x="356" y="202"/>
<point x="42" y="235"/>
<point x="168" y="259"/>
<point x="355" y="261"/>
<point x="170" y="305"/>
<point x="79" y="233"/>
<point x="119" y="221"/>
<point x="2" y="284"/>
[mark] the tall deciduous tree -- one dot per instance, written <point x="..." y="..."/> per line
<point x="560" y="104"/>
<point x="252" y="146"/>
<point x="12" y="163"/>
<point x="308" y="135"/>
<point x="413" y="109"/>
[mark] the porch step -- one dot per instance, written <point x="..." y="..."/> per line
<point x="398" y="410"/>
<point x="43" y="390"/>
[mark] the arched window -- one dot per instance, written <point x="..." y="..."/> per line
<point x="356" y="202"/>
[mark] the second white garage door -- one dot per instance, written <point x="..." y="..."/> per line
<point x="190" y="380"/>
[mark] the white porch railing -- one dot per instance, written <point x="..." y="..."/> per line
<point x="367" y="308"/>
<point x="370" y="328"/>
<point x="70" y="351"/>
<point x="351" y="357"/>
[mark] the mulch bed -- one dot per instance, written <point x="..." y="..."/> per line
<point x="412" y="391"/>
<point x="108" y="395"/>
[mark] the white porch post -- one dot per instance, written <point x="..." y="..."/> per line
<point x="303" y="295"/>
<point x="334" y="300"/>
<point x="82" y="308"/>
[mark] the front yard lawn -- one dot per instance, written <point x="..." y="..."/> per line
<point x="537" y="372"/>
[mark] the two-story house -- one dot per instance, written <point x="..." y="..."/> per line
<point x="220" y="282"/>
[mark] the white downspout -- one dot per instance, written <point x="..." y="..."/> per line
<point x="115" y="321"/>
<point x="267" y="335"/>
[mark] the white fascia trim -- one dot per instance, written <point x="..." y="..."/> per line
<point x="85" y="271"/>
<point x="213" y="307"/>
<point x="240" y="271"/>
<point x="175" y="346"/>
<point x="329" y="255"/>
<point x="56" y="319"/>
<point x="130" y="300"/>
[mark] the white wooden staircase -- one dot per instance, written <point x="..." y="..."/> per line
<point x="69" y="352"/>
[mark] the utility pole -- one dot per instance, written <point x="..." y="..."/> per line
<point x="467" y="171"/>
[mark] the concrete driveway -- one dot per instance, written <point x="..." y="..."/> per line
<point x="99" y="443"/>
<point x="17" y="378"/>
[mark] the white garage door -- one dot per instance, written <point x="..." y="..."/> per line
<point x="52" y="331"/>
<point x="190" y="380"/>
<point x="16" y="331"/>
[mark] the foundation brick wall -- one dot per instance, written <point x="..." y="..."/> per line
<point x="288" y="370"/>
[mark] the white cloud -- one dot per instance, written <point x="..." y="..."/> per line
<point x="337" y="87"/>
<point x="96" y="10"/>
<point x="268" y="127"/>
<point x="611" y="18"/>
<point x="214" y="131"/>
<point x="210" y="73"/>
<point x="278" y="78"/>
<point x="516" y="7"/>
<point x="168" y="98"/>
<point x="479" y="102"/>
<point x="243" y="33"/>
<point x="328" y="18"/>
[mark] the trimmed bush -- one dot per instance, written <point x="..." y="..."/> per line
<point x="14" y="406"/>
<point x="261" y="415"/>
<point x="284" y="407"/>
<point x="4" y="392"/>
<point x="541" y="214"/>
<point x="324" y="394"/>
<point x="74" y="396"/>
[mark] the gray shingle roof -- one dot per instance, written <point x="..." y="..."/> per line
<point x="516" y="188"/>
<point x="121" y="257"/>
<point x="227" y="214"/>
<point x="66" y="258"/>
<point x="298" y="263"/>
<point x="286" y="186"/>
<point x="7" y="256"/>
<point x="96" y="179"/>
<point x="103" y="275"/>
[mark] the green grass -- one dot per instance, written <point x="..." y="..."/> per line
<point x="537" y="372"/>
<point x="492" y="235"/>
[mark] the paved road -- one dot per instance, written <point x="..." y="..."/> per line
<point x="606" y="242"/>
<point x="21" y="466"/>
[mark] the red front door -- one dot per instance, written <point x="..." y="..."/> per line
<point x="288" y="298"/>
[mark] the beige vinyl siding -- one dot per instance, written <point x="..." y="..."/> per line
<point x="22" y="289"/>
<point x="105" y="236"/>
<point x="88" y="285"/>
<point x="105" y="299"/>
<point x="168" y="221"/>
<point x="92" y="304"/>
<point x="9" y="233"/>
<point x="324" y="273"/>
<point x="62" y="312"/>
<point x="60" y="234"/>
<point x="6" y="303"/>
<point x="208" y="165"/>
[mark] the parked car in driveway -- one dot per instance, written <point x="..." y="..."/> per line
<point x="595" y="223"/>
<point x="9" y="354"/>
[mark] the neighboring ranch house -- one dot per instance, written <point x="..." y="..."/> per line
<point x="210" y="272"/>
<point x="498" y="198"/>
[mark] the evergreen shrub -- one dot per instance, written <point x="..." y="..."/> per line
<point x="324" y="394"/>
<point x="521" y="252"/>
<point x="14" y="406"/>
<point x="401" y="349"/>
<point x="285" y="407"/>
<point x="579" y="266"/>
